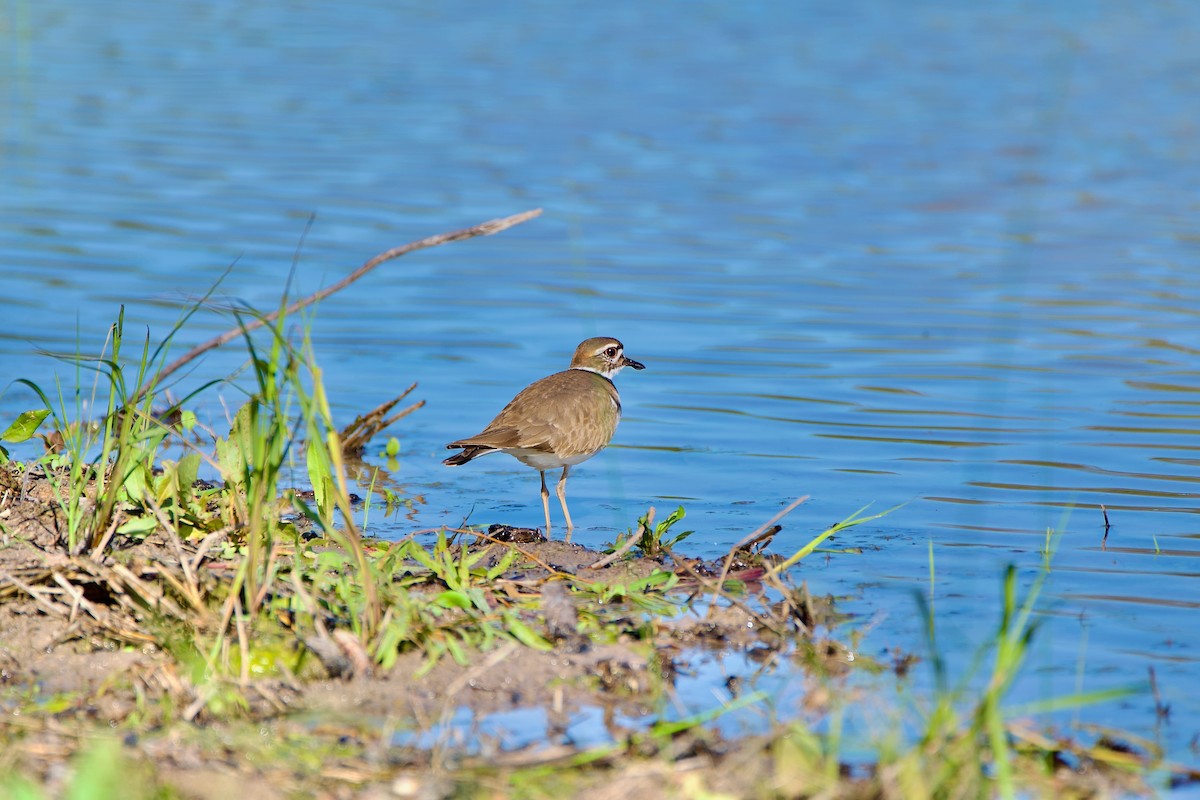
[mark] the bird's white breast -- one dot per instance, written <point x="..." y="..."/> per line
<point x="543" y="461"/>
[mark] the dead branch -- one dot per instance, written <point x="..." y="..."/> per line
<point x="356" y="435"/>
<point x="482" y="229"/>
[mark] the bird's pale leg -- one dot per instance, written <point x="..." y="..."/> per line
<point x="562" y="498"/>
<point x="545" y="501"/>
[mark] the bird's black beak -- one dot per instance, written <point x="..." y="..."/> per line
<point x="629" y="362"/>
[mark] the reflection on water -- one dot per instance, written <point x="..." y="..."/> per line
<point x="928" y="255"/>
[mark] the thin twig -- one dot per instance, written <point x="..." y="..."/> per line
<point x="152" y="595"/>
<point x="402" y="414"/>
<point x="98" y="550"/>
<point x="614" y="555"/>
<point x="763" y="539"/>
<point x="752" y="538"/>
<point x="1161" y="710"/>
<point x="203" y="695"/>
<point x="356" y="435"/>
<point x="239" y="625"/>
<point x="356" y="653"/>
<point x="482" y="668"/>
<point x="207" y="543"/>
<point x="482" y="229"/>
<point x="553" y="571"/>
<point x="79" y="601"/>
<point x="625" y="548"/>
<point x="71" y="591"/>
<point x="191" y="590"/>
<point x="36" y="595"/>
<point x="748" y="540"/>
<point x="265" y="589"/>
<point x="718" y="589"/>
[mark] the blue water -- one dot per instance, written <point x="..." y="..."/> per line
<point x="929" y="254"/>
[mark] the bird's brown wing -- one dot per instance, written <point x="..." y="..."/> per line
<point x="562" y="414"/>
<point x="554" y="415"/>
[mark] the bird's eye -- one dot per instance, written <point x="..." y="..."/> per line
<point x="611" y="352"/>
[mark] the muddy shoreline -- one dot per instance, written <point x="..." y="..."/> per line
<point x="74" y="661"/>
<point x="93" y="661"/>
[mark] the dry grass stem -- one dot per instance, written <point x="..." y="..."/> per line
<point x="766" y="526"/>
<point x="483" y="229"/>
<point x="629" y="543"/>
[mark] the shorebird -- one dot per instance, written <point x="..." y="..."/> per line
<point x="560" y="421"/>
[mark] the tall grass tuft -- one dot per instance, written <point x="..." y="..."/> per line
<point x="965" y="747"/>
<point x="98" y="463"/>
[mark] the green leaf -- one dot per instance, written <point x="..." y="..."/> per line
<point x="186" y="473"/>
<point x="242" y="422"/>
<point x="524" y="634"/>
<point x="457" y="653"/>
<point x="1076" y="700"/>
<point x="135" y="486"/>
<point x="612" y="592"/>
<point x="25" y="425"/>
<point x="331" y="560"/>
<point x="674" y="517"/>
<point x="434" y="652"/>
<point x="100" y="771"/>
<point x="138" y="526"/>
<point x="422" y="557"/>
<point x="502" y="566"/>
<point x="479" y="599"/>
<point x="471" y="559"/>
<point x="452" y="599"/>
<point x="659" y="579"/>
<point x="20" y="788"/>
<point x="229" y="456"/>
<point x="320" y="478"/>
<point x="388" y="649"/>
